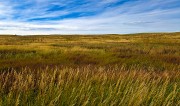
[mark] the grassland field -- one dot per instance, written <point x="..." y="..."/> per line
<point x="90" y="70"/>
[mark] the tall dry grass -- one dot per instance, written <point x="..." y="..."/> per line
<point x="89" y="86"/>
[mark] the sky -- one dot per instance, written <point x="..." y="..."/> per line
<point x="26" y="17"/>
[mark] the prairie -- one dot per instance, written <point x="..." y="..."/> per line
<point x="90" y="70"/>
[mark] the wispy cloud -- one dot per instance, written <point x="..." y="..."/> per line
<point x="88" y="16"/>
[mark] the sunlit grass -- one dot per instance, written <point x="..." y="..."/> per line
<point x="96" y="70"/>
<point x="89" y="86"/>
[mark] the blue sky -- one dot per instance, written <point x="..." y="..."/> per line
<point x="88" y="16"/>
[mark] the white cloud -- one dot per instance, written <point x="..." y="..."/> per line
<point x="131" y="17"/>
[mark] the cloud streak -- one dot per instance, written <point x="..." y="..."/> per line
<point x="88" y="16"/>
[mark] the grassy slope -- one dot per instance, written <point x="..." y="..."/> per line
<point x="134" y="69"/>
<point x="160" y="51"/>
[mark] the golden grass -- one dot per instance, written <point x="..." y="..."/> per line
<point x="89" y="86"/>
<point x="94" y="70"/>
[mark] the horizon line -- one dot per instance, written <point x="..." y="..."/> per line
<point x="91" y="34"/>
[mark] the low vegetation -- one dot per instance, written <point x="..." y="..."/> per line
<point x="103" y="70"/>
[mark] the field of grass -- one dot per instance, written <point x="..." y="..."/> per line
<point x="90" y="70"/>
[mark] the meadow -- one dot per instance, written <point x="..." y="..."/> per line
<point x="90" y="70"/>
